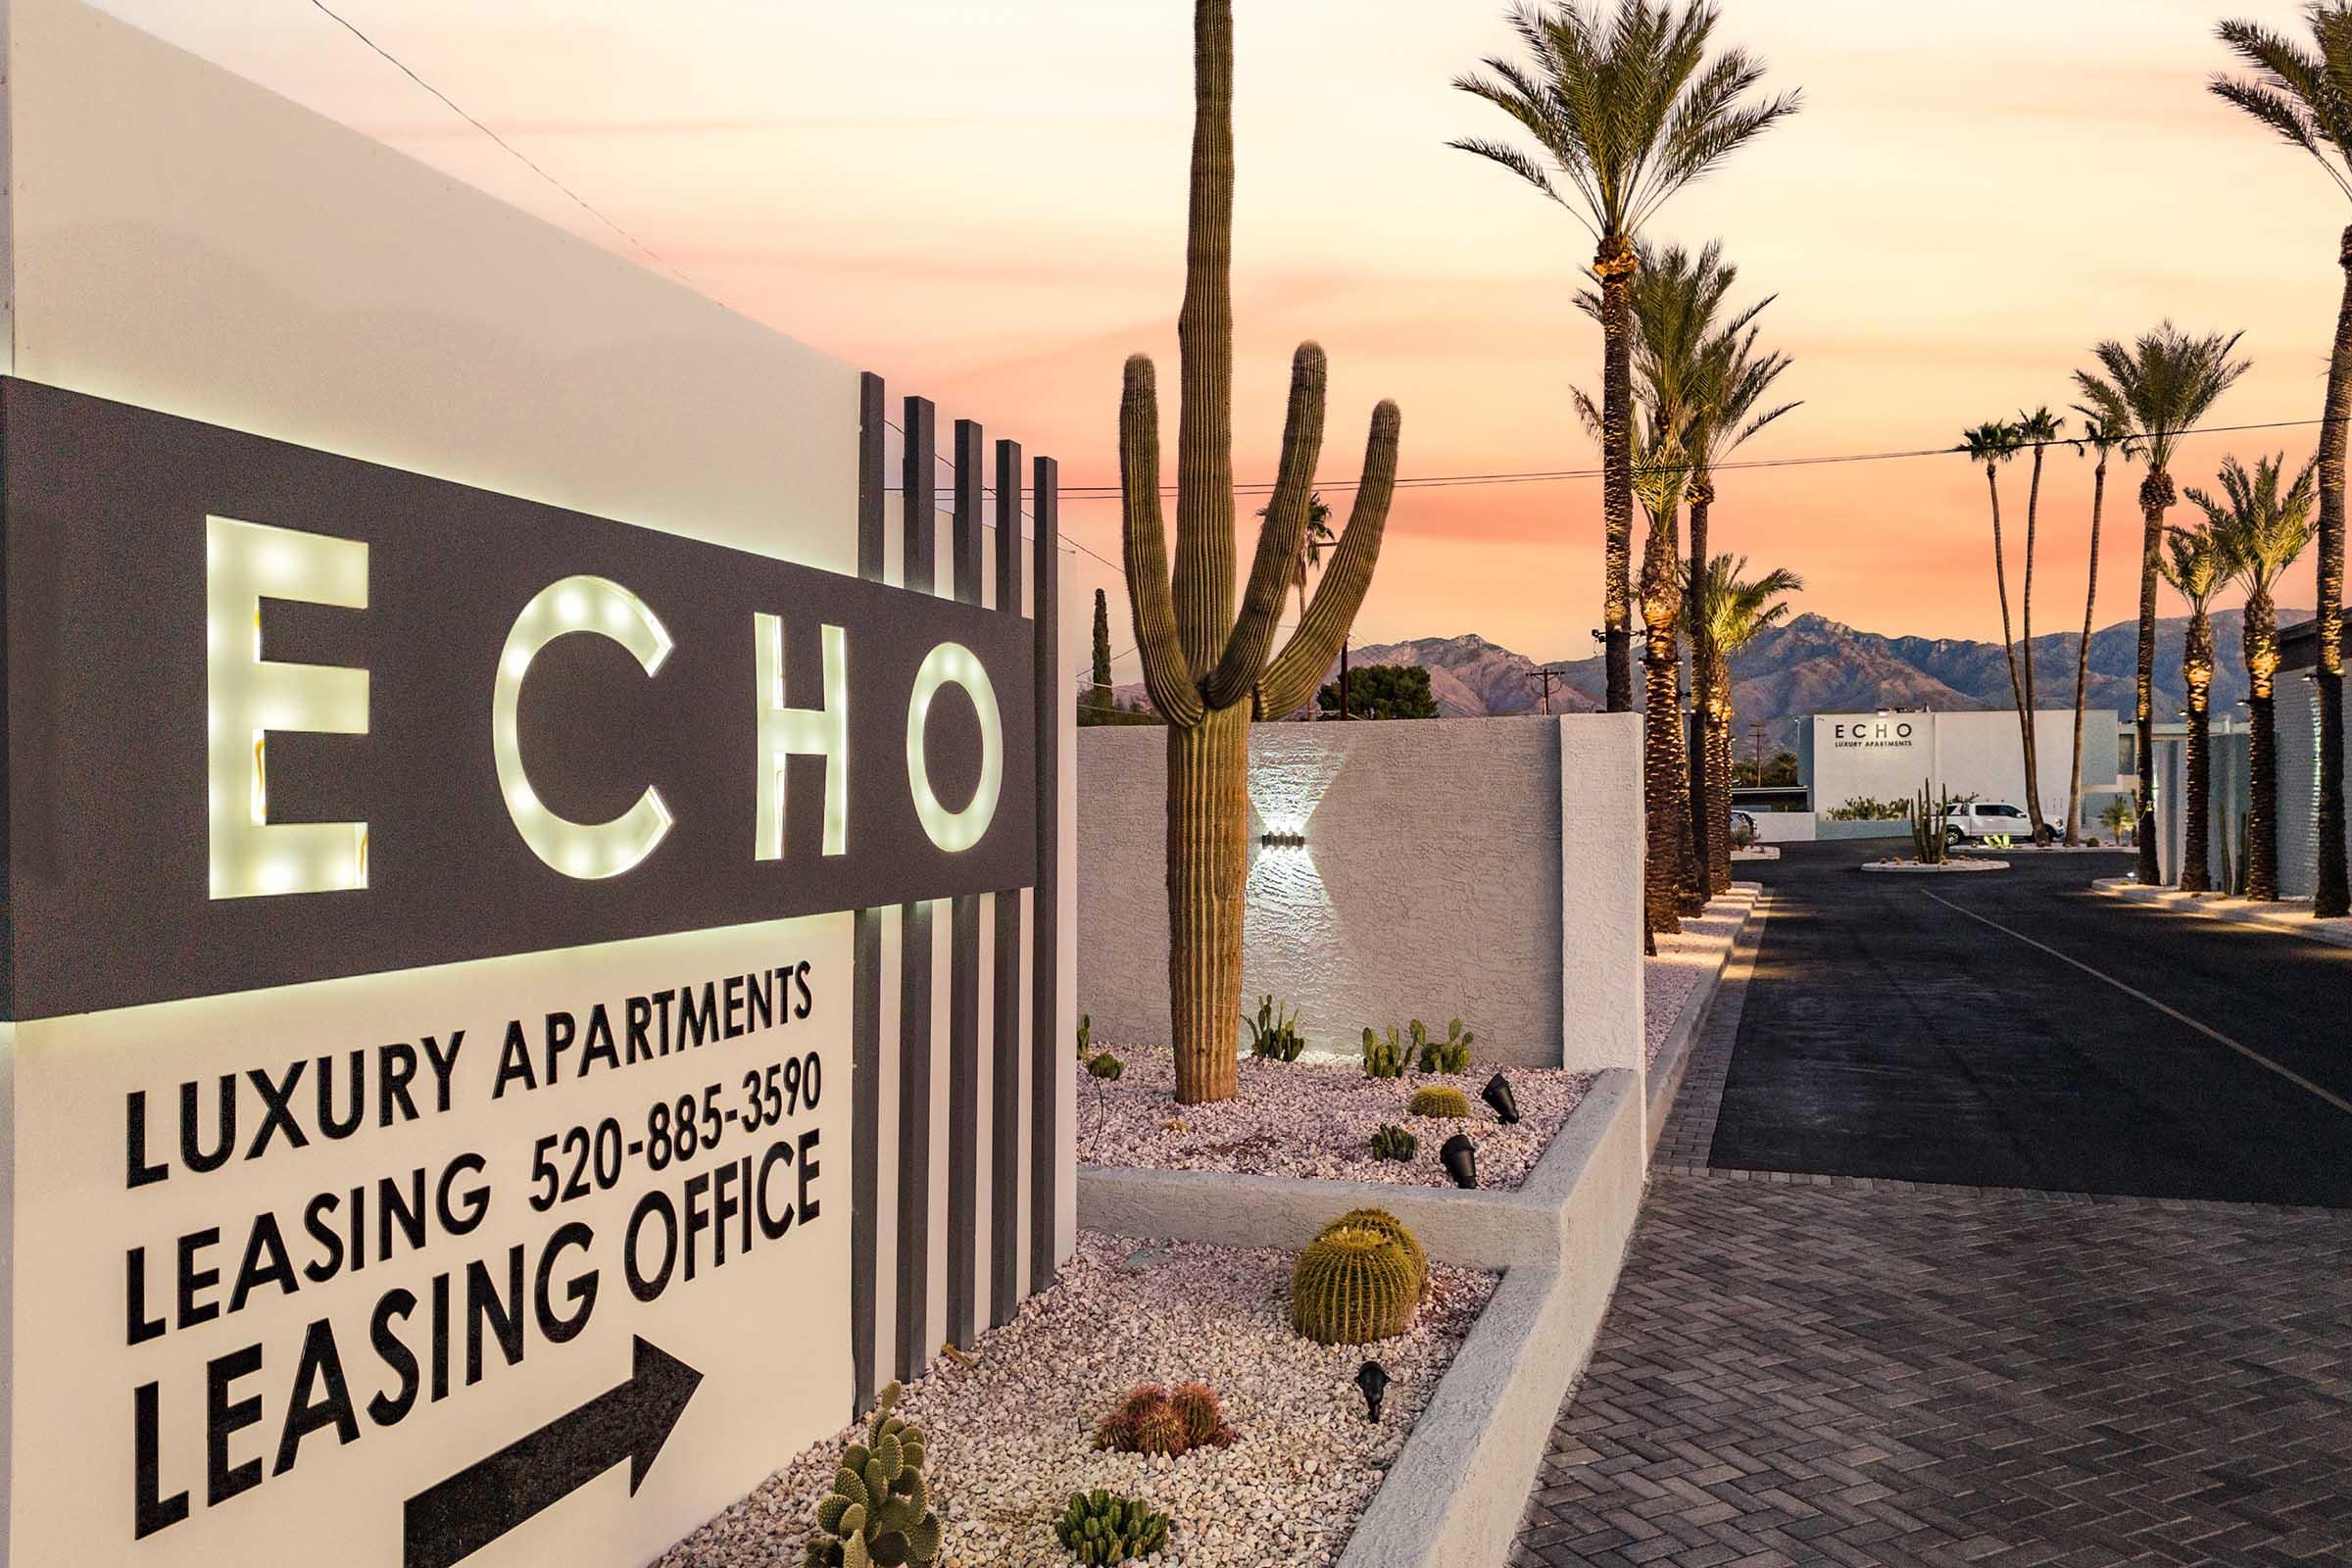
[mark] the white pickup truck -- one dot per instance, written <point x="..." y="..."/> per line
<point x="1972" y="822"/>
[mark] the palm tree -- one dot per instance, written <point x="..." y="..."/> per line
<point x="1682" y="360"/>
<point x="2106" y="428"/>
<point x="2198" y="564"/>
<point x="2166" y="382"/>
<point x="2037" y="429"/>
<point x="1730" y="611"/>
<point x="2262" y="532"/>
<point x="1724" y="414"/>
<point x="2302" y="96"/>
<point x="1992" y="444"/>
<point x="1626" y="108"/>
<point x="1311" y="544"/>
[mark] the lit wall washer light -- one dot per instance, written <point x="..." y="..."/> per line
<point x="953" y="663"/>
<point x="788" y="732"/>
<point x="246" y="697"/>
<point x="1283" y="841"/>
<point x="583" y="850"/>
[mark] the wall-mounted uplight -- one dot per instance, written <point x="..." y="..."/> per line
<point x="1283" y="841"/>
<point x="954" y="664"/>
<point x="246" y="697"/>
<point x="583" y="850"/>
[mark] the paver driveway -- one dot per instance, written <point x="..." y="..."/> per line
<point x="1846" y="1368"/>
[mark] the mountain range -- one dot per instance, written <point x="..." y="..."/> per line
<point x="1812" y="664"/>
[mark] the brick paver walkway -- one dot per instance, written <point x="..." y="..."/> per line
<point x="1813" y="1369"/>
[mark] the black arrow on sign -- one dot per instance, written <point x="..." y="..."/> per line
<point x="449" y="1522"/>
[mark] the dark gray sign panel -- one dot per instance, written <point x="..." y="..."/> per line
<point x="114" y="688"/>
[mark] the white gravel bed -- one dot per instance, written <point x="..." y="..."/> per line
<point x="1315" y="1117"/>
<point x="1011" y="1436"/>
<point x="1938" y="868"/>
<point x="1670" y="978"/>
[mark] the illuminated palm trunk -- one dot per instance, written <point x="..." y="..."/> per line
<point x="2331" y="893"/>
<point x="2196" y="670"/>
<point x="2156" y="495"/>
<point x="1614" y="265"/>
<point x="2262" y="750"/>
<point x="1666" y="836"/>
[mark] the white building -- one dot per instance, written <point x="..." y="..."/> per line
<point x="1887" y="754"/>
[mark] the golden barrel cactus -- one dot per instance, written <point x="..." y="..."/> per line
<point x="1352" y="1285"/>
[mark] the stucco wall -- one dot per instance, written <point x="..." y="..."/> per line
<point x="2298" y="717"/>
<point x="1877" y="756"/>
<point x="1484" y="868"/>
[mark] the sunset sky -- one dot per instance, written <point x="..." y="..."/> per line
<point x="986" y="203"/>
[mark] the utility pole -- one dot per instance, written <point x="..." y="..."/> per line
<point x="1547" y="676"/>
<point x="1344" y="714"/>
<point x="1758" y="729"/>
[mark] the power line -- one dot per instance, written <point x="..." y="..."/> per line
<point x="1549" y="475"/>
<point x="512" y="150"/>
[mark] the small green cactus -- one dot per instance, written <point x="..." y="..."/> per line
<point x="1392" y="1142"/>
<point x="1274" y="1033"/>
<point x="878" y="1514"/>
<point x="1451" y="1054"/>
<point x="1086" y="1035"/>
<point x="1438" y="1100"/>
<point x="1105" y="1066"/>
<point x="1384" y="1057"/>
<point x="1352" y="1285"/>
<point x="1387" y="1224"/>
<point x="1100" y="1528"/>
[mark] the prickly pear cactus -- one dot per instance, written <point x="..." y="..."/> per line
<point x="1384" y="1055"/>
<point x="1392" y="1142"/>
<point x="1451" y="1054"/>
<point x="878" y="1514"/>
<point x="1100" y="1528"/>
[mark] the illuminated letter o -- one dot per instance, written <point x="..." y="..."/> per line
<point x="583" y="850"/>
<point x="953" y="663"/>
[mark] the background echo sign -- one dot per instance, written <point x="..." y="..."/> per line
<point x="431" y="1015"/>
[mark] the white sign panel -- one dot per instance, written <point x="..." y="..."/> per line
<point x="417" y="1268"/>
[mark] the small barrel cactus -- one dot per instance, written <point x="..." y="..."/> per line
<point x="1100" y="1528"/>
<point x="878" y="1514"/>
<point x="1384" y="1055"/>
<point x="1153" y="1420"/>
<point x="1105" y="1066"/>
<point x="1438" y="1100"/>
<point x="1392" y="1142"/>
<point x="1451" y="1054"/>
<point x="1389" y="1225"/>
<point x="1354" y="1285"/>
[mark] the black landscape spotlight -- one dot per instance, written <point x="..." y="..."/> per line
<point x="1498" y="1093"/>
<point x="1459" y="1156"/>
<point x="1373" y="1378"/>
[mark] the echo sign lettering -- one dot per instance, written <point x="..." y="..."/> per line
<point x="429" y="990"/>
<point x="1871" y="734"/>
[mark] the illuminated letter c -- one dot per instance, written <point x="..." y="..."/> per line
<point x="583" y="850"/>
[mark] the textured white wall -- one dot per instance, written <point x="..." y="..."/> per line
<point x="1966" y="753"/>
<point x="2298" y="719"/>
<point x="1482" y="869"/>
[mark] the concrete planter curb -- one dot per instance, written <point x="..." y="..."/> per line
<point x="1672" y="1060"/>
<point x="2337" y="932"/>
<point x="1945" y="868"/>
<point x="1454" y="1495"/>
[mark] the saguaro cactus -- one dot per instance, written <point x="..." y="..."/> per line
<point x="1208" y="672"/>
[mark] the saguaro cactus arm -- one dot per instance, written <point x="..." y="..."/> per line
<point x="1292" y="678"/>
<point x="1280" y="540"/>
<point x="1204" y="554"/>
<point x="1165" y="676"/>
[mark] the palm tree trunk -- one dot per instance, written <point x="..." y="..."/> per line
<point x="1715" y="694"/>
<point x="1208" y="865"/>
<point x="1690" y="878"/>
<point x="2000" y="579"/>
<point x="2025" y="608"/>
<point x="2262" y="750"/>
<point x="2197" y="667"/>
<point x="1706" y="804"/>
<point x="2155" y="495"/>
<point x="1664" y="834"/>
<point x="2090" y="598"/>
<point x="1614" y="265"/>
<point x="2331" y="891"/>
